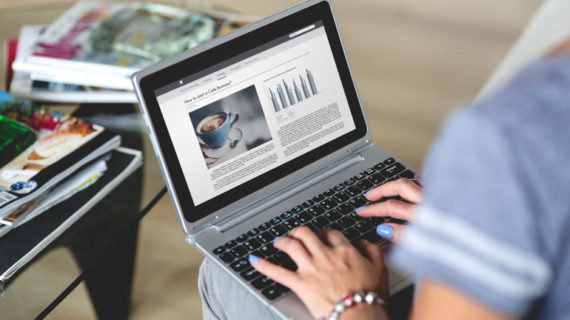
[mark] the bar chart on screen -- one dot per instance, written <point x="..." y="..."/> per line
<point x="291" y="88"/>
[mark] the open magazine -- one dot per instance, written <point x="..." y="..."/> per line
<point x="40" y="148"/>
<point x="110" y="41"/>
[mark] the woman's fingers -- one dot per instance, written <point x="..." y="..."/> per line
<point x="309" y="239"/>
<point x="285" y="277"/>
<point x="333" y="237"/>
<point x="390" y="208"/>
<point x="372" y="251"/>
<point x="294" y="248"/>
<point x="402" y="187"/>
<point x="390" y="231"/>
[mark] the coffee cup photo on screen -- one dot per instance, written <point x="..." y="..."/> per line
<point x="230" y="126"/>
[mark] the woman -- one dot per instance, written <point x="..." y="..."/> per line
<point x="490" y="232"/>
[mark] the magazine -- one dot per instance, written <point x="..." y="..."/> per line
<point x="120" y="38"/>
<point x="111" y="41"/>
<point x="24" y="86"/>
<point x="20" y="245"/>
<point x="39" y="148"/>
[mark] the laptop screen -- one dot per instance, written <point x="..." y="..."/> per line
<point x="251" y="108"/>
<point x="255" y="112"/>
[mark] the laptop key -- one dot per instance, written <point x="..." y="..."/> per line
<point x="308" y="203"/>
<point x="357" y="202"/>
<point x="332" y="215"/>
<point x="251" y="244"/>
<point x="253" y="232"/>
<point x="271" y="293"/>
<point x="278" y="231"/>
<point x="371" y="236"/>
<point x="288" y="224"/>
<point x="341" y="197"/>
<point x="282" y="288"/>
<point x="267" y="250"/>
<point x="219" y="250"/>
<point x="407" y="174"/>
<point x="392" y="170"/>
<point x="316" y="210"/>
<point x="376" y="178"/>
<point x="264" y="226"/>
<point x="328" y="193"/>
<point x="350" y="233"/>
<point x="353" y="191"/>
<point x="250" y="274"/>
<point x="265" y="237"/>
<point x="335" y="226"/>
<point x="365" y="185"/>
<point x="303" y="217"/>
<point x="242" y="238"/>
<point x="363" y="226"/>
<point x="345" y="208"/>
<point x="379" y="166"/>
<point x="297" y="209"/>
<point x="261" y="282"/>
<point x="238" y="251"/>
<point x="318" y="198"/>
<point x="230" y="244"/>
<point x="275" y="221"/>
<point x="328" y="204"/>
<point x="389" y="161"/>
<point x="346" y="222"/>
<point x="320" y="222"/>
<point x="286" y="215"/>
<point x="226" y="257"/>
<point x="240" y="265"/>
<point x="369" y="171"/>
<point x="356" y="217"/>
<point x="359" y="176"/>
<point x="339" y="187"/>
<point x="349" y="182"/>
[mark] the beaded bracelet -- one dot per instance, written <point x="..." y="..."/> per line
<point x="349" y="301"/>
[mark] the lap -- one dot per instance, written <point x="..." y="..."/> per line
<point x="224" y="298"/>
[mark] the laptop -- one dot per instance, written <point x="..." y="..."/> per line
<point x="260" y="131"/>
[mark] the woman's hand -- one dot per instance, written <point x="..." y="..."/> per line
<point x="410" y="193"/>
<point x="328" y="268"/>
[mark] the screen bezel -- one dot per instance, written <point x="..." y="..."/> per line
<point x="231" y="48"/>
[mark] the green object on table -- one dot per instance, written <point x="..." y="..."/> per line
<point x="14" y="139"/>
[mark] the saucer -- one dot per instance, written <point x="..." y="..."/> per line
<point x="235" y="134"/>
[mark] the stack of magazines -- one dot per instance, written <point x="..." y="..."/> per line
<point x="89" y="53"/>
<point x="45" y="158"/>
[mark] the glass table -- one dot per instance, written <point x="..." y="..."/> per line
<point x="100" y="247"/>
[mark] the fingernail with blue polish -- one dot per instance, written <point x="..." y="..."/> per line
<point x="417" y="176"/>
<point x="368" y="192"/>
<point x="359" y="208"/>
<point x="253" y="259"/>
<point x="275" y="240"/>
<point x="385" y="231"/>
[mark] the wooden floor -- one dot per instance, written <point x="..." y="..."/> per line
<point x="412" y="61"/>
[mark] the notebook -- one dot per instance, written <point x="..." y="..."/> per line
<point x="260" y="131"/>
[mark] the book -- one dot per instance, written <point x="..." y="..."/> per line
<point x="19" y="246"/>
<point x="110" y="41"/>
<point x="62" y="191"/>
<point x="21" y="84"/>
<point x="39" y="148"/>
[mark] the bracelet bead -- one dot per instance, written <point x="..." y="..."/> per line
<point x="349" y="301"/>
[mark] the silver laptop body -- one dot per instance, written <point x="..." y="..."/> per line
<point x="242" y="139"/>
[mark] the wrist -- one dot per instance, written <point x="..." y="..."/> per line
<point x="354" y="300"/>
<point x="364" y="312"/>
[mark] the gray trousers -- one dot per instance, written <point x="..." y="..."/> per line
<point x="224" y="298"/>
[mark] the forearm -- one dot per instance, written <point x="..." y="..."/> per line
<point x="364" y="312"/>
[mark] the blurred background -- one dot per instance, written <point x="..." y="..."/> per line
<point x="412" y="61"/>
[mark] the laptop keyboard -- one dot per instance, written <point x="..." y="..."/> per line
<point x="333" y="209"/>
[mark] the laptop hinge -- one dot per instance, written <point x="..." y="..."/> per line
<point x="255" y="209"/>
